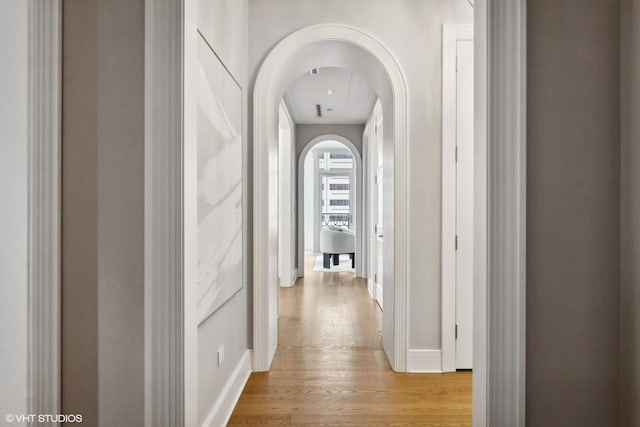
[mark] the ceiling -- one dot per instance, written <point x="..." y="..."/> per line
<point x="351" y="100"/>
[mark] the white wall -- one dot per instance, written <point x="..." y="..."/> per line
<point x="13" y="215"/>
<point x="224" y="24"/>
<point x="412" y="31"/>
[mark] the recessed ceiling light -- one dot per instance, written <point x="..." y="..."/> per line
<point x="330" y="92"/>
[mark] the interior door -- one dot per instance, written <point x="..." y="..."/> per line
<point x="464" y="205"/>
<point x="379" y="229"/>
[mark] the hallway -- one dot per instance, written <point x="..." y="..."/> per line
<point x="330" y="368"/>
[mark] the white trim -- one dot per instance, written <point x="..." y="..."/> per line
<point x="292" y="280"/>
<point x="359" y="198"/>
<point x="266" y="95"/>
<point x="480" y="400"/>
<point x="287" y="115"/>
<point x="424" y="361"/>
<point x="44" y="155"/>
<point x="170" y="223"/>
<point x="223" y="407"/>
<point x="451" y="33"/>
<point x="500" y="203"/>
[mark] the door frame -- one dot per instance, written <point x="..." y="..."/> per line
<point x="44" y="207"/>
<point x="500" y="194"/>
<point x="170" y="218"/>
<point x="499" y="294"/>
<point x="451" y="34"/>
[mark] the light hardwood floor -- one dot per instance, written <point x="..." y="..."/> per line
<point x="330" y="368"/>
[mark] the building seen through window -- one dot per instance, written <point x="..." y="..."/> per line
<point x="336" y="173"/>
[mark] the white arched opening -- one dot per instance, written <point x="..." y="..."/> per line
<point x="329" y="45"/>
<point x="357" y="158"/>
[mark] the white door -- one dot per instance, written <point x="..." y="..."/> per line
<point x="380" y="203"/>
<point x="464" y="205"/>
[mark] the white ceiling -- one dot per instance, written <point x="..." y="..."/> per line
<point x="352" y="99"/>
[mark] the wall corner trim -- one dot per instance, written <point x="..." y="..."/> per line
<point x="499" y="308"/>
<point x="44" y="156"/>
<point x="424" y="361"/>
<point x="225" y="404"/>
<point x="169" y="383"/>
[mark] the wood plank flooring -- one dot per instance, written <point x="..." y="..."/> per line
<point x="330" y="368"/>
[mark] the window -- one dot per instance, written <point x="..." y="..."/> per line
<point x="335" y="202"/>
<point x="328" y="160"/>
<point x="338" y="187"/>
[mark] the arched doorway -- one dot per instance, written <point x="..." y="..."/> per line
<point x="358" y="191"/>
<point x="313" y="47"/>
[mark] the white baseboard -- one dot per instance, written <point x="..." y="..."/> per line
<point x="370" y="287"/>
<point x="223" y="407"/>
<point x="427" y="361"/>
<point x="291" y="281"/>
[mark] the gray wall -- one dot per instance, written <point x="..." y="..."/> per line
<point x="573" y="213"/>
<point x="102" y="211"/>
<point x="13" y="215"/>
<point x="306" y="133"/>
<point x="224" y="25"/>
<point x="412" y="30"/>
<point x="630" y="156"/>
